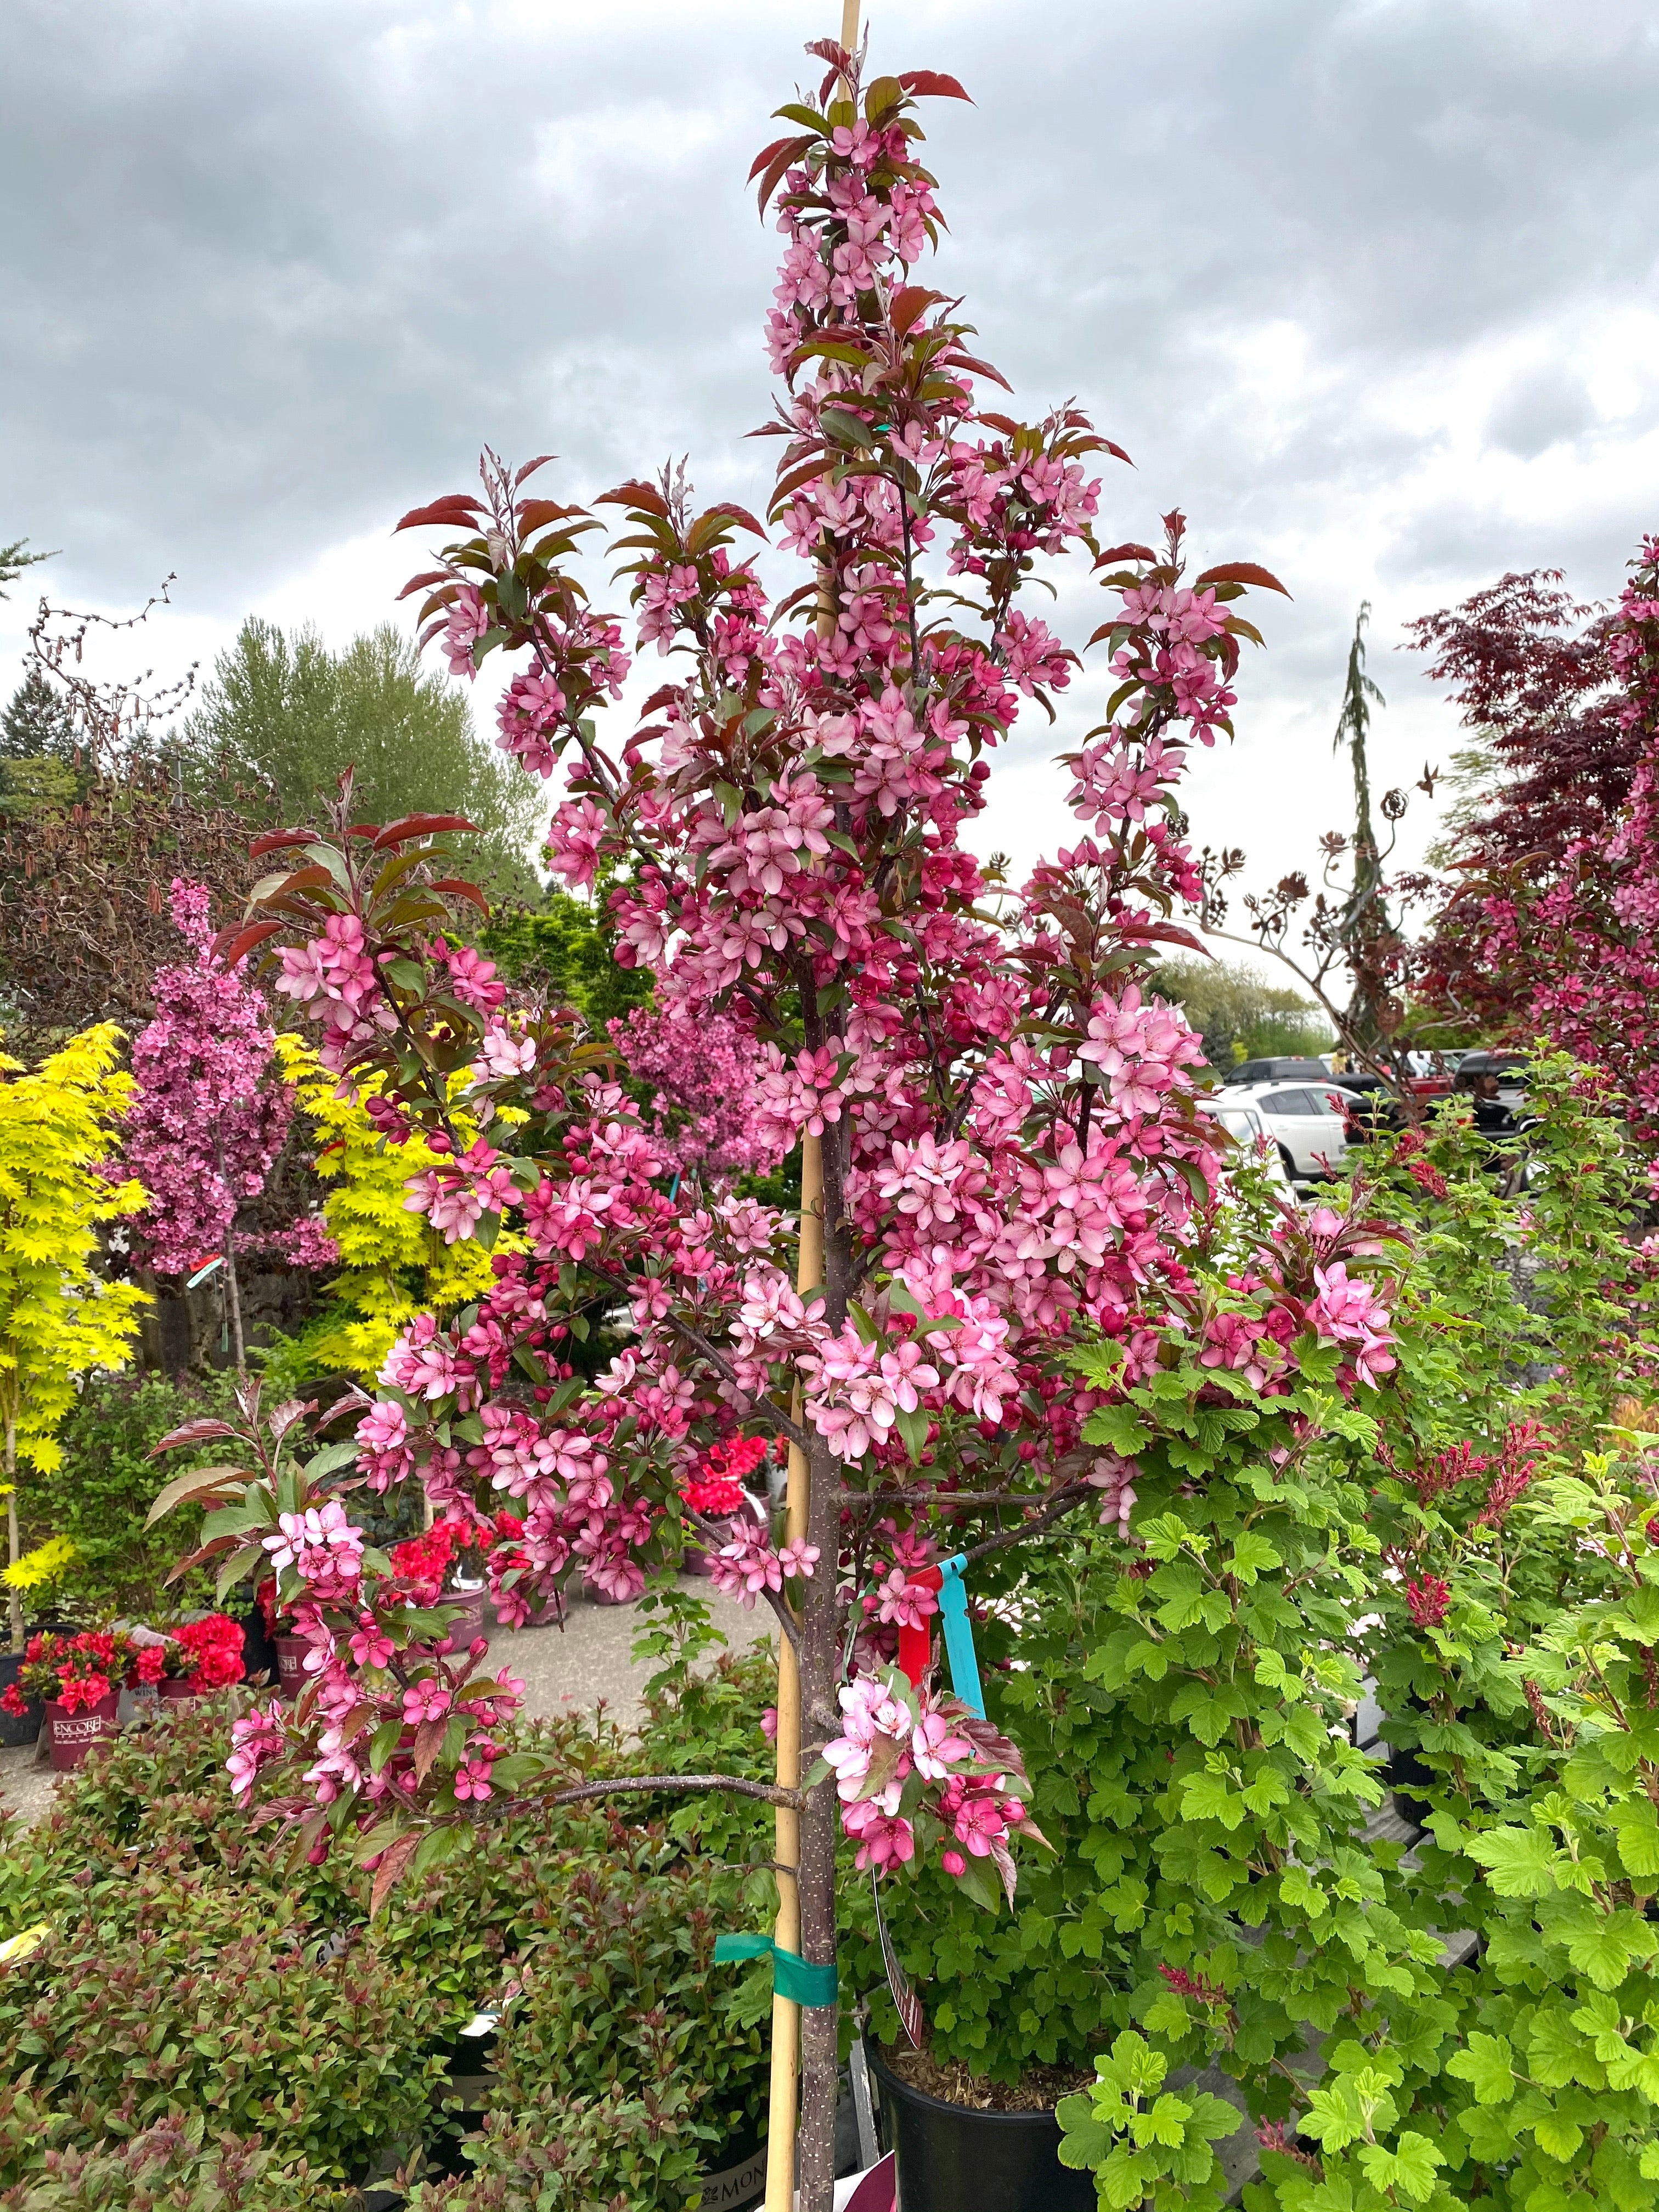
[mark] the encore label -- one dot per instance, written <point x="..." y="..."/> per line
<point x="71" y="1728"/>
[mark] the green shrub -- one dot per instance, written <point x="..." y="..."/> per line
<point x="206" y="2001"/>
<point x="98" y="1497"/>
<point x="173" y="2167"/>
<point x="198" y="1976"/>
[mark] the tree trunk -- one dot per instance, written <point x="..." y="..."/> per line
<point x="14" y="1540"/>
<point x="233" y="1303"/>
<point x="820" y="1672"/>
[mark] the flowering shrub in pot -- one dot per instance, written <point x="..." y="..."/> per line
<point x="201" y="1655"/>
<point x="78" y="1680"/>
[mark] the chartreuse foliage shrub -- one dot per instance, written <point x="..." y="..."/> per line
<point x="198" y="1984"/>
<point x="393" y="1264"/>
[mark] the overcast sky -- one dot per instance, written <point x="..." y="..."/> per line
<point x="1368" y="289"/>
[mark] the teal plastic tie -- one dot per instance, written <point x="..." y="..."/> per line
<point x="959" y="1636"/>
<point x="793" y="1977"/>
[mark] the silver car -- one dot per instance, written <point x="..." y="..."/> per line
<point x="1304" y="1121"/>
<point x="1249" y="1133"/>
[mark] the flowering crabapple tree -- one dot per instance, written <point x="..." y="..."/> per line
<point x="1013" y="1154"/>
<point x="210" y="1111"/>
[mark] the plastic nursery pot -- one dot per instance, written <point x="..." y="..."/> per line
<point x="18" y="1728"/>
<point x="736" y="2172"/>
<point x="469" y="1623"/>
<point x="259" y="1650"/>
<point x="291" y="1664"/>
<point x="952" y="2158"/>
<point x="595" y="1595"/>
<point x="179" y="1691"/>
<point x="694" y="1560"/>
<point x="75" y="1734"/>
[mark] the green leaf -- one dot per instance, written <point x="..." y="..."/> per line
<point x="1487" y="2063"/>
<point x="1520" y="1861"/>
<point x="1408" y="2169"/>
<point x="1557" y="2134"/>
<point x="1210" y="1797"/>
<point x="1637" y="1829"/>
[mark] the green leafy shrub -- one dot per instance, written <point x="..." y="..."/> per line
<point x="1140" y="2137"/>
<point x="98" y="1496"/>
<point x="173" y="2167"/>
<point x="199" y="1973"/>
<point x="200" y="1999"/>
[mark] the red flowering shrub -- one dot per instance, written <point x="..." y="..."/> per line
<point x="207" y="1652"/>
<point x="76" y="1670"/>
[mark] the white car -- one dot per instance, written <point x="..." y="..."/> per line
<point x="1249" y="1133"/>
<point x="1304" y="1120"/>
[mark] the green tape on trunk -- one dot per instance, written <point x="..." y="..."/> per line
<point x="793" y="1977"/>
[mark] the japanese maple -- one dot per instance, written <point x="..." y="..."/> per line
<point x="1013" y="1156"/>
<point x="1528" y="668"/>
<point x="1573" y="943"/>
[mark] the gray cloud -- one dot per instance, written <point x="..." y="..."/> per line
<point x="275" y="271"/>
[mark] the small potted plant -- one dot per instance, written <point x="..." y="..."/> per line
<point x="288" y="1649"/>
<point x="78" y="1680"/>
<point x="715" y="1495"/>
<point x="200" y="1656"/>
<point x="426" y="1562"/>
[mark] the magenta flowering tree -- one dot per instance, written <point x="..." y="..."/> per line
<point x="1005" y="1158"/>
<point x="209" y="1113"/>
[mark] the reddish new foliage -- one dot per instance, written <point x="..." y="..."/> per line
<point x="1582" y="946"/>
<point x="1528" y="668"/>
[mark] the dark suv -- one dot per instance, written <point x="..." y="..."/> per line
<point x="1279" y="1070"/>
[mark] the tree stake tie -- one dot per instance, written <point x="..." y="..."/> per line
<point x="959" y="1636"/>
<point x="793" y="1977"/>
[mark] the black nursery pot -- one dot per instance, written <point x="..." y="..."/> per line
<point x="258" y="1651"/>
<point x="14" y="1730"/>
<point x="952" y="2158"/>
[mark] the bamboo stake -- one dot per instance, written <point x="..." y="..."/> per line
<point x="785" y="2014"/>
<point x="784" y="2107"/>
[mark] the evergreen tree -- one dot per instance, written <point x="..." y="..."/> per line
<point x="15" y="558"/>
<point x="36" y="724"/>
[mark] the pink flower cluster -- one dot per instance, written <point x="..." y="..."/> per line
<point x="890" y="1733"/>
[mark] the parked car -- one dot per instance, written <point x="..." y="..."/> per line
<point x="1510" y="1067"/>
<point x="1245" y="1126"/>
<point x="1306" y="1121"/>
<point x="1277" y="1071"/>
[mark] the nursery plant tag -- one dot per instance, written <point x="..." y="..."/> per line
<point x="959" y="1637"/>
<point x="904" y="1997"/>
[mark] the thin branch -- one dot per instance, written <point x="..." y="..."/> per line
<point x="760" y="1409"/>
<point x="1023" y="1534"/>
<point x="679" y="1785"/>
<point x="780" y="1606"/>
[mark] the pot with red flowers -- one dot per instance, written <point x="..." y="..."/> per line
<point x="198" y="1657"/>
<point x="715" y="1500"/>
<point x="78" y="1680"/>
<point x="430" y="1564"/>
